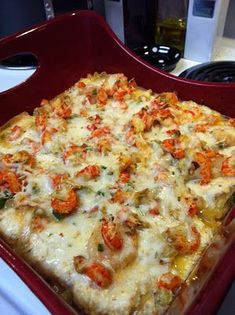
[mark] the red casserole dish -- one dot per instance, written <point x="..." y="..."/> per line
<point x="69" y="47"/>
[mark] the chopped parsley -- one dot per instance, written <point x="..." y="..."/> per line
<point x="100" y="193"/>
<point x="6" y="195"/>
<point x="35" y="188"/>
<point x="58" y="216"/>
<point x="100" y="247"/>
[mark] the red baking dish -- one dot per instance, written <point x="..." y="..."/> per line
<point x="69" y="47"/>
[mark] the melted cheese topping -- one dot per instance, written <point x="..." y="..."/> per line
<point x="153" y="167"/>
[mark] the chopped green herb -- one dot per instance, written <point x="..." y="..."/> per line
<point x="100" y="193"/>
<point x="164" y="297"/>
<point x="57" y="215"/>
<point x="94" y="92"/>
<point x="222" y="145"/>
<point x="100" y="247"/>
<point x="7" y="195"/>
<point x="103" y="167"/>
<point x="179" y="198"/>
<point x="35" y="188"/>
<point x="2" y="202"/>
<point x="50" y="234"/>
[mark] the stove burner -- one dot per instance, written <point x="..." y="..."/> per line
<point x="217" y="71"/>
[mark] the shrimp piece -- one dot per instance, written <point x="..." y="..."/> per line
<point x="41" y="120"/>
<point x="23" y="157"/>
<point x="61" y="108"/>
<point x="57" y="179"/>
<point x="201" y="127"/>
<point x="113" y="243"/>
<point x="97" y="272"/>
<point x="161" y="174"/>
<point x="204" y="159"/>
<point x="231" y="121"/>
<point x="125" y="166"/>
<point x="124" y="177"/>
<point x="154" y="211"/>
<point x="100" y="132"/>
<point x="104" y="145"/>
<point x="89" y="172"/>
<point x="130" y="137"/>
<point x="47" y="134"/>
<point x="125" y="162"/>
<point x="165" y="113"/>
<point x="205" y="168"/>
<point x="66" y="206"/>
<point x="169" y="281"/>
<point x="173" y="132"/>
<point x="7" y="159"/>
<point x="131" y="219"/>
<point x="169" y="98"/>
<point x="80" y="85"/>
<point x="96" y="120"/>
<point x="119" y="196"/>
<point x="35" y="146"/>
<point x="111" y="235"/>
<point x="178" y="153"/>
<point x="102" y="96"/>
<point x="39" y="223"/>
<point x="179" y="239"/>
<point x="171" y="146"/>
<point x="142" y="121"/>
<point x="12" y="180"/>
<point x="147" y="119"/>
<point x="16" y="132"/>
<point x="132" y="84"/>
<point x="74" y="153"/>
<point x="228" y="166"/>
<point x="120" y="94"/>
<point x="193" y="209"/>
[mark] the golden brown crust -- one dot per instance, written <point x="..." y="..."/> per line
<point x="14" y="120"/>
<point x="24" y="120"/>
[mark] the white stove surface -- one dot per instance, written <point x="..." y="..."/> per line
<point x="15" y="297"/>
<point x="11" y="78"/>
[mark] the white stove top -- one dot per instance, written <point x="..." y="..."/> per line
<point x="11" y="78"/>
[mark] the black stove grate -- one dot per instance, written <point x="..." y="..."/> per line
<point x="217" y="71"/>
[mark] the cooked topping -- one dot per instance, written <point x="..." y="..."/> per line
<point x="111" y="235"/>
<point x="116" y="191"/>
<point x="99" y="274"/>
<point x="169" y="281"/>
<point x="66" y="202"/>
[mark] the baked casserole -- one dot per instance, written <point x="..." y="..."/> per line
<point x="114" y="191"/>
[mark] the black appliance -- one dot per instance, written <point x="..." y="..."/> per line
<point x="17" y="15"/>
